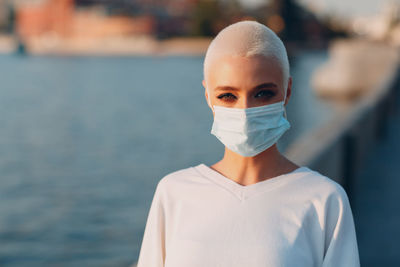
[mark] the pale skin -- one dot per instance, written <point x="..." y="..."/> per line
<point x="241" y="82"/>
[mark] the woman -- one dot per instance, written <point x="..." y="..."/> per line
<point x="253" y="208"/>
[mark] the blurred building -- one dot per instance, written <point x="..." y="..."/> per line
<point x="6" y="16"/>
<point x="39" y="17"/>
<point x="62" y="19"/>
<point x="3" y="13"/>
<point x="384" y="26"/>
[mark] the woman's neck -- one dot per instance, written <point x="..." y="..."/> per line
<point x="249" y="170"/>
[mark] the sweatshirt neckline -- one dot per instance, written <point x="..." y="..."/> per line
<point x="243" y="192"/>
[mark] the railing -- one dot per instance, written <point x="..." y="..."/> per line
<point x="339" y="148"/>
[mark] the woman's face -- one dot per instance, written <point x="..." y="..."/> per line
<point x="241" y="82"/>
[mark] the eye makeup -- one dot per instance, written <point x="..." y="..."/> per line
<point x="262" y="95"/>
<point x="227" y="97"/>
<point x="265" y="94"/>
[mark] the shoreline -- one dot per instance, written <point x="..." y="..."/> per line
<point x="126" y="46"/>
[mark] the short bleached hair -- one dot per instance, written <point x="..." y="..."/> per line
<point x="247" y="38"/>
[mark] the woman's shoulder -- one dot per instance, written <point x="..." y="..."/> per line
<point x="178" y="178"/>
<point x="322" y="186"/>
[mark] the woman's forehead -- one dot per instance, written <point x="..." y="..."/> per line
<point x="258" y="61"/>
<point x="244" y="71"/>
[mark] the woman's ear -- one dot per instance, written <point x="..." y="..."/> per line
<point x="289" y="90"/>
<point x="206" y="93"/>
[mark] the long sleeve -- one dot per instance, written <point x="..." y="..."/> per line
<point x="152" y="251"/>
<point x="341" y="249"/>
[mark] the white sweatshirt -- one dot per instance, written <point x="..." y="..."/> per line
<point x="200" y="218"/>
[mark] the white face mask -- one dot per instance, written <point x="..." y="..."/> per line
<point x="250" y="131"/>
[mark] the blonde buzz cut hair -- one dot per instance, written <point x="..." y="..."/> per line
<point x="247" y="38"/>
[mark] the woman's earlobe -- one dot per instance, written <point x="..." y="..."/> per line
<point x="207" y="98"/>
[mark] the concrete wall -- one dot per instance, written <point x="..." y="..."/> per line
<point x="339" y="148"/>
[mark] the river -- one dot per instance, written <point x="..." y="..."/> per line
<point x="84" y="141"/>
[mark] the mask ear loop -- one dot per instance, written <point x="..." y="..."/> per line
<point x="284" y="108"/>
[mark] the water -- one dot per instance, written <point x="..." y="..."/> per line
<point x="84" y="141"/>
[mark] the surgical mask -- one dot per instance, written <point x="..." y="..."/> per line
<point x="250" y="131"/>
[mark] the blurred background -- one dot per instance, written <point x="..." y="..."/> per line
<point x="100" y="99"/>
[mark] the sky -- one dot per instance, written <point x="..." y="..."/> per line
<point x="339" y="7"/>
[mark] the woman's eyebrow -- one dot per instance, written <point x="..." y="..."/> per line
<point x="265" y="85"/>
<point x="226" y="88"/>
<point x="260" y="86"/>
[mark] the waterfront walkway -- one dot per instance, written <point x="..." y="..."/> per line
<point x="376" y="200"/>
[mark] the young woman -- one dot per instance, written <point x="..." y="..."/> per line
<point x="253" y="208"/>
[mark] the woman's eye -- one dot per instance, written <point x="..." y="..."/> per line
<point x="265" y="93"/>
<point x="227" y="96"/>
